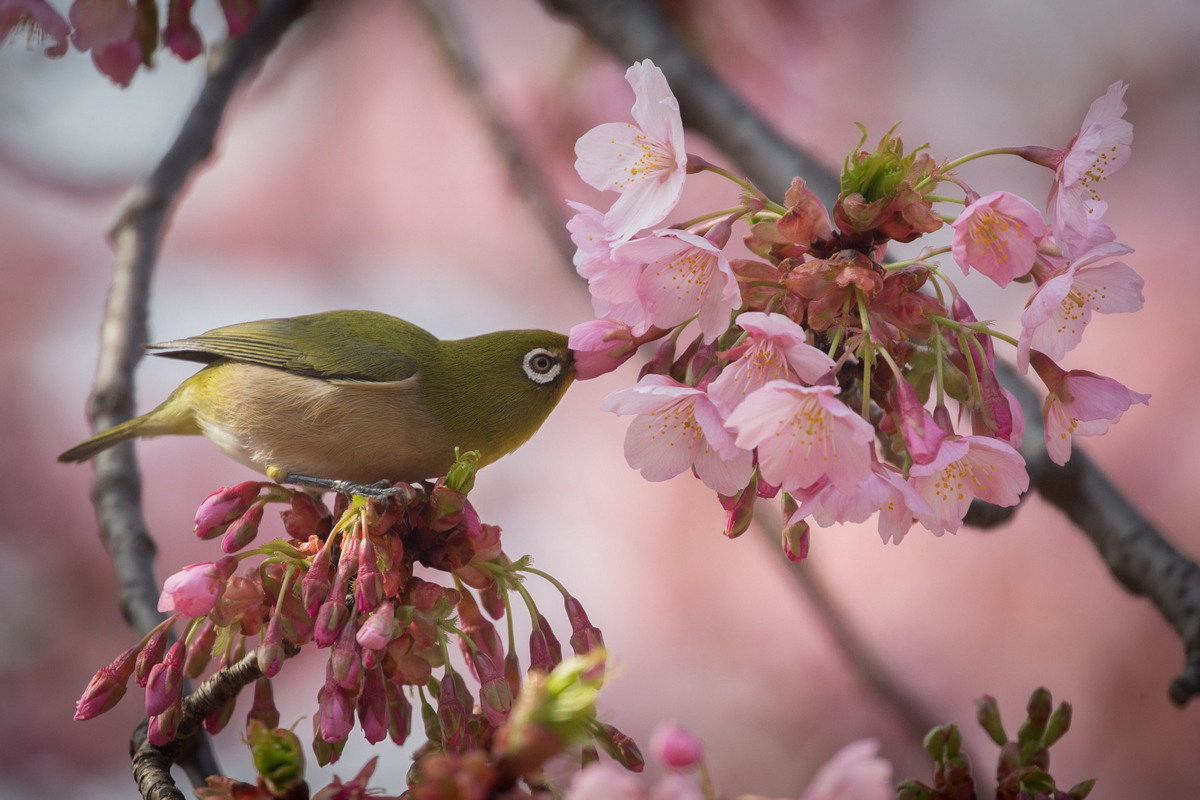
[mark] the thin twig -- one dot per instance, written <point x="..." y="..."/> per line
<point x="136" y="237"/>
<point x="450" y="36"/>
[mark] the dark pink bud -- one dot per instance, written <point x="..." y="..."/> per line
<point x="922" y="435"/>
<point x="373" y="706"/>
<point x="306" y="517"/>
<point x="263" y="708"/>
<point x="740" y="508"/>
<point x="270" y="651"/>
<point x="314" y="587"/>
<point x="238" y="15"/>
<point x="162" y="726"/>
<point x="345" y="661"/>
<point x="795" y="540"/>
<point x="215" y="722"/>
<point x="492" y="600"/>
<point x="224" y="506"/>
<point x="164" y="687"/>
<point x="335" y="713"/>
<point x="452" y="714"/>
<point x="399" y="713"/>
<point x="585" y="636"/>
<point x="199" y="650"/>
<point x="676" y="747"/>
<point x="445" y="509"/>
<point x="180" y="35"/>
<point x="151" y="654"/>
<point x="108" y="685"/>
<point x="495" y="695"/>
<point x="243" y="529"/>
<point x="379" y="628"/>
<point x="368" y="586"/>
<point x="619" y="746"/>
<point x="330" y="621"/>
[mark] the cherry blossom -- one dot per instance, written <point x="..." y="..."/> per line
<point x="803" y="434"/>
<point x="968" y="467"/>
<point x="1080" y="403"/>
<point x="776" y="348"/>
<point x="39" y="20"/>
<point x="644" y="160"/>
<point x="682" y="275"/>
<point x="1054" y="320"/>
<point x="1100" y="147"/>
<point x="195" y="589"/>
<point x="998" y="235"/>
<point x="678" y="428"/>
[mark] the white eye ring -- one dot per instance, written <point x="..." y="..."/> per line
<point x="541" y="365"/>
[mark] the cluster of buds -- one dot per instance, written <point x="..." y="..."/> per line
<point x="1023" y="767"/>
<point x="814" y="367"/>
<point x="343" y="581"/>
<point x="121" y="35"/>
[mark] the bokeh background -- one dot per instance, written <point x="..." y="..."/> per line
<point x="353" y="174"/>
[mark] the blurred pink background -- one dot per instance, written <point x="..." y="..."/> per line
<point x="353" y="175"/>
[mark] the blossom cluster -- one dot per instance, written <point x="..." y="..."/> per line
<point x="344" y="581"/>
<point x="815" y="368"/>
<point x="121" y="35"/>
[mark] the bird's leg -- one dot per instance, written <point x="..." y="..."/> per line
<point x="376" y="491"/>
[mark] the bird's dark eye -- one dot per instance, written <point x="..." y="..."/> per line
<point x="541" y="365"/>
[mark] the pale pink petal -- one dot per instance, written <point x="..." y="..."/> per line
<point x="855" y="772"/>
<point x="998" y="235"/>
<point x="802" y="434"/>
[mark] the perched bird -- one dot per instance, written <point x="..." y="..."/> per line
<point x="354" y="396"/>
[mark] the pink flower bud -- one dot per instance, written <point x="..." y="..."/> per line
<point x="373" y="706"/>
<point x="345" y="661"/>
<point x="378" y="629"/>
<point x="585" y="636"/>
<point x="330" y="620"/>
<point x="270" y="651"/>
<point x="243" y="529"/>
<point x="108" y="685"/>
<point x="162" y="726"/>
<point x="317" y="581"/>
<point x="199" y="650"/>
<point x="194" y="590"/>
<point x="164" y="687"/>
<point x="263" y="708"/>
<point x="368" y="586"/>
<point x="601" y="345"/>
<point x="399" y="713"/>
<point x="180" y="35"/>
<point x="215" y="722"/>
<point x="239" y="14"/>
<point x="445" y="508"/>
<point x="676" y="747"/>
<point x="922" y="435"/>
<point x="452" y="714"/>
<point x="335" y="713"/>
<point x="151" y="654"/>
<point x="495" y="695"/>
<point x="307" y="517"/>
<point x="619" y="746"/>
<point x="224" y="506"/>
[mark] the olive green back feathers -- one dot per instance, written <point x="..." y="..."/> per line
<point x="355" y="395"/>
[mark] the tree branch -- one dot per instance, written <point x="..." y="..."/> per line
<point x="136" y="238"/>
<point x="1135" y="552"/>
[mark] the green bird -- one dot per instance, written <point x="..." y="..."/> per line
<point x="354" y="396"/>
